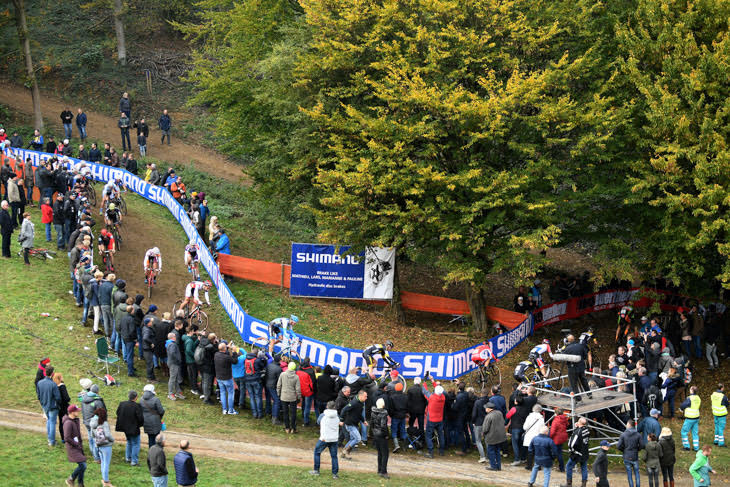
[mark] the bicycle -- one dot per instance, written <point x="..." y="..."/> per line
<point x="289" y="347"/>
<point x="39" y="253"/>
<point x="116" y="233"/>
<point x="90" y="193"/>
<point x="151" y="279"/>
<point x="121" y="204"/>
<point x="484" y="377"/>
<point x="193" y="267"/>
<point x="196" y="316"/>
<point x="107" y="261"/>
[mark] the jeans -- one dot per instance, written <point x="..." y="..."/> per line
<point x="421" y="424"/>
<point x="82" y="131"/>
<point x="29" y="194"/>
<point x="142" y="151"/>
<point x="439" y="428"/>
<point x="193" y="376"/>
<point x="47" y="193"/>
<point x="151" y="440"/>
<point x="273" y="404"/>
<point x="381" y="444"/>
<point x="398" y="428"/>
<point x="126" y="143"/>
<point x="354" y="433"/>
<point x="696" y="342"/>
<point x="290" y="414"/>
<point x="520" y="454"/>
<point x="671" y="393"/>
<point x="129" y="357"/>
<point x="68" y="130"/>
<point x="668" y="473"/>
<point x="561" y="460"/>
<point x="495" y="456"/>
<point x="78" y="473"/>
<point x="240" y="383"/>
<point x="87" y="303"/>
<point x="653" y="473"/>
<point x="686" y="344"/>
<point x="691" y="426"/>
<point x="60" y="242"/>
<point x="68" y="229"/>
<point x="173" y="385"/>
<point x="546" y="471"/>
<point x="720" y="430"/>
<point x="48" y="232"/>
<point x="254" y="395"/>
<point x="105" y="453"/>
<point x="478" y="440"/>
<point x="159" y="481"/>
<point x="319" y="448"/>
<point x="569" y="469"/>
<point x="139" y="340"/>
<point x="227" y="394"/>
<point x="711" y="353"/>
<point x="149" y="361"/>
<point x="165" y="133"/>
<point x="306" y="409"/>
<point x="632" y="467"/>
<point x="106" y="317"/>
<point x="131" y="453"/>
<point x="52" y="418"/>
<point x="207" y="385"/>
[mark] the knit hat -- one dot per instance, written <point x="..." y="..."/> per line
<point x="121" y="283"/>
<point x="665" y="432"/>
<point x="86" y="384"/>
<point x="490" y="405"/>
<point x="417" y="380"/>
<point x="393" y="374"/>
<point x="439" y="390"/>
<point x="152" y="308"/>
<point x="149" y="388"/>
<point x="399" y="386"/>
<point x="95" y="389"/>
<point x="292" y="365"/>
<point x="380" y="403"/>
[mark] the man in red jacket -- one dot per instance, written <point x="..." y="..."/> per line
<point x="435" y="417"/>
<point x="307" y="393"/>
<point x="559" y="434"/>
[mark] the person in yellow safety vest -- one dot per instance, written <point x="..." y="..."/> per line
<point x="691" y="409"/>
<point x="719" y="411"/>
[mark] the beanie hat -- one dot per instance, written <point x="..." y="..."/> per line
<point x="86" y="384"/>
<point x="95" y="389"/>
<point x="380" y="403"/>
<point x="439" y="390"/>
<point x="149" y="388"/>
<point x="399" y="387"/>
<point x="292" y="365"/>
<point x="393" y="374"/>
<point x="152" y="308"/>
<point x="417" y="380"/>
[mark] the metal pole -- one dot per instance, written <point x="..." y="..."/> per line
<point x="281" y="286"/>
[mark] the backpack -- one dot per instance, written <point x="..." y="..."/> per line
<point x="687" y="376"/>
<point x="652" y="397"/>
<point x="248" y="364"/>
<point x="199" y="354"/>
<point x="100" y="436"/>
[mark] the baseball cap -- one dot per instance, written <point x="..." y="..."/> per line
<point x="394" y="373"/>
<point x="654" y="412"/>
<point x="644" y="318"/>
<point x="490" y="405"/>
<point x="605" y="443"/>
<point x="149" y="388"/>
<point x="72" y="408"/>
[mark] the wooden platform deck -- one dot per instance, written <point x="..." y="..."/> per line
<point x="600" y="400"/>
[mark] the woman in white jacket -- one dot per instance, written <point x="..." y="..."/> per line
<point x="27" y="234"/>
<point x="329" y="432"/>
<point x="533" y="425"/>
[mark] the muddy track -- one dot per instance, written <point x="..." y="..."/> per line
<point x="104" y="126"/>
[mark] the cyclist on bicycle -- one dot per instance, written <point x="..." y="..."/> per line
<point x="483" y="355"/>
<point x="280" y="330"/>
<point x="153" y="262"/>
<point x="107" y="245"/>
<point x="110" y="192"/>
<point x="113" y="216"/>
<point x="191" y="255"/>
<point x="536" y="354"/>
<point x="623" y="330"/>
<point x="519" y="374"/>
<point x="370" y="353"/>
<point x="192" y="291"/>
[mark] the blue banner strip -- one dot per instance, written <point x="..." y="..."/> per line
<point x="444" y="366"/>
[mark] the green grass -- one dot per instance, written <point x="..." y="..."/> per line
<point x="27" y="461"/>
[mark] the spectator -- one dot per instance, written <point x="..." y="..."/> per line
<point x="142" y="146"/>
<point x="105" y="289"/>
<point x="667" y="456"/>
<point x="578" y="447"/>
<point x="162" y="328"/>
<point x="461" y="406"/>
<point x="652" y="454"/>
<point x="58" y="222"/>
<point x="165" y="125"/>
<point x="152" y="412"/>
<point x="36" y="142"/>
<point x="130" y="419"/>
<point x="698" y="328"/>
<point x="254" y="368"/>
<point x="124" y="124"/>
<point x="544" y="451"/>
<point x="157" y="463"/>
<point x="94" y="154"/>
<point x="238" y="371"/>
<point x="350" y="417"/>
<point x="650" y="425"/>
<point x="81" y="120"/>
<point x="203" y="212"/>
<point x="47" y="219"/>
<point x="148" y="347"/>
<point x="74" y="445"/>
<point x="379" y="428"/>
<point x="701" y="469"/>
<point x="629" y="443"/>
<point x="13" y="194"/>
<point x="51" y="145"/>
<point x="397" y="403"/>
<point x="271" y="378"/>
<point x="174" y="362"/>
<point x="64" y="402"/>
<point x="417" y="403"/>
<point x="90" y="402"/>
<point x="6" y="228"/>
<point x="524" y="402"/>
<point x="41" y="371"/>
<point x="128" y="331"/>
<point x="328" y="435"/>
<point x="50" y="398"/>
<point x="713" y="331"/>
<point x="104" y="441"/>
<point x="186" y="473"/>
<point x="289" y="390"/>
<point x="207" y="366"/>
<point x="325" y="390"/>
<point x="154" y="175"/>
<point x="16" y="141"/>
<point x="600" y="465"/>
<point x="691" y="408"/>
<point x="685" y="327"/>
<point x="478" y="413"/>
<point x="435" y="418"/>
<point x="532" y="427"/>
<point x="190" y="342"/>
<point x="307" y="381"/>
<point x="559" y="434"/>
<point x="224" y="358"/>
<point x="719" y="412"/>
<point x="223" y="244"/>
<point x="29" y="180"/>
<point x="125" y="105"/>
<point x="671" y="384"/>
<point x="494" y="435"/>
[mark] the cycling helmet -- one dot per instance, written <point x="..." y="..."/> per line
<point x="294" y="319"/>
<point x="191" y="243"/>
<point x="156" y="251"/>
<point x="546" y="341"/>
<point x="104" y="231"/>
<point x="112" y="206"/>
<point x="590" y="329"/>
<point x="117" y="180"/>
<point x="208" y="283"/>
<point x="388" y="343"/>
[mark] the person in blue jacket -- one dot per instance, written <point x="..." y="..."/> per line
<point x="545" y="451"/>
<point x="186" y="473"/>
<point x="223" y="244"/>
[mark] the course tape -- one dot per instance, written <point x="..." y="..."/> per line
<point x="444" y="366"/>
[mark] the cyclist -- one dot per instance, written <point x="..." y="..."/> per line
<point x="536" y="354"/>
<point x="152" y="261"/>
<point x="191" y="255"/>
<point x="192" y="291"/>
<point x="113" y="216"/>
<point x="624" y="325"/>
<point x="519" y="374"/>
<point x="281" y="330"/>
<point x="587" y="338"/>
<point x="107" y="244"/>
<point x="372" y="351"/>
<point x="483" y="355"/>
<point x="110" y="192"/>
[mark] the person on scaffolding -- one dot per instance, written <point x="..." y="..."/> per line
<point x="577" y="368"/>
<point x="537" y="360"/>
<point x="587" y="338"/>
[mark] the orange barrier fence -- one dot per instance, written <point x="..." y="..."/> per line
<point x="279" y="274"/>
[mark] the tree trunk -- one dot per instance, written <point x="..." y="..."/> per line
<point x="395" y="305"/>
<point x="119" y="29"/>
<point x="30" y="72"/>
<point x="478" y="307"/>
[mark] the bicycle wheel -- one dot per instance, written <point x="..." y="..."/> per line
<point x="201" y="319"/>
<point x="117" y="237"/>
<point x="37" y="254"/>
<point x="150" y="281"/>
<point x="91" y="195"/>
<point x="122" y="205"/>
<point x="50" y="254"/>
<point x="176" y="307"/>
<point x="493" y="376"/>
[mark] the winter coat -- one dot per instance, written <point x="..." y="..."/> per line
<point x="667" y="455"/>
<point x="125" y="105"/>
<point x="173" y="353"/>
<point x="288" y="387"/>
<point x="478" y="412"/>
<point x="48" y="394"/>
<point x="544" y="450"/>
<point x="329" y="426"/>
<point x="210" y="350"/>
<point x="559" y="429"/>
<point x="185" y="473"/>
<point x="397" y="405"/>
<point x="156" y="461"/>
<point x="128" y="328"/>
<point x="162" y="328"/>
<point x="271" y="374"/>
<point x="13" y="192"/>
<point x="46" y="213"/>
<point x="57" y="210"/>
<point x="379" y="422"/>
<point x="325" y="386"/>
<point x="629" y="443"/>
<point x="259" y="368"/>
<point x="533" y="425"/>
<point x="223" y="362"/>
<point x="152" y="412"/>
<point x="351" y="414"/>
<point x="90" y="402"/>
<point x="72" y="437"/>
<point x="341" y="401"/>
<point x="578" y="444"/>
<point x="130" y="418"/>
<point x="493" y="428"/>
<point x="105" y="292"/>
<point x="417" y="401"/>
<point x="306" y="383"/>
<point x="652" y="454"/>
<point x="148" y="339"/>
<point x="27" y="234"/>
<point x="648" y="426"/>
<point x="164" y="122"/>
<point x="435" y="408"/>
<point x="600" y="467"/>
<point x="700" y="470"/>
<point x="94" y="424"/>
<point x="190" y="343"/>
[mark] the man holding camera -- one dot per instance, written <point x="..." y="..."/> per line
<point x="224" y="358"/>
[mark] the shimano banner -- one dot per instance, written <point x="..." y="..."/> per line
<point x="444" y="366"/>
<point x="329" y="271"/>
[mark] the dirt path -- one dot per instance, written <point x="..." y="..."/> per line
<point x="104" y="126"/>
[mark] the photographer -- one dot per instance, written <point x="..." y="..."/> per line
<point x="224" y="358"/>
